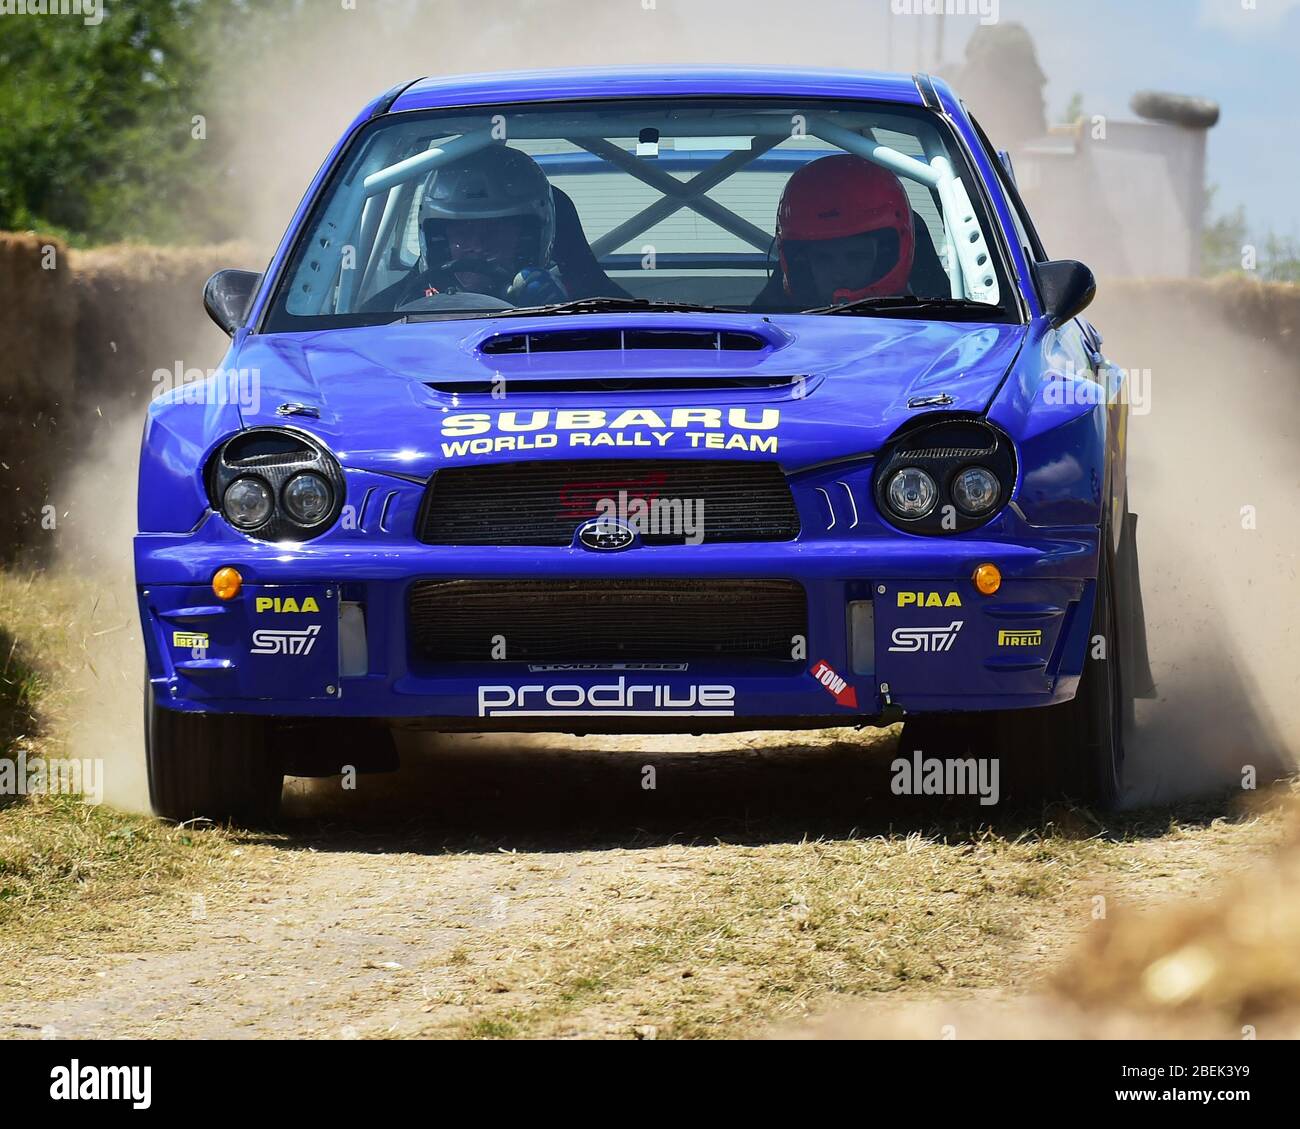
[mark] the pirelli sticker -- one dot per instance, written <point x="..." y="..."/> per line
<point x="1033" y="638"/>
<point x="189" y="640"/>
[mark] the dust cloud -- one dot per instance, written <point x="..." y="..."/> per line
<point x="94" y="551"/>
<point x="1214" y="472"/>
<point x="285" y="132"/>
<point x="106" y="718"/>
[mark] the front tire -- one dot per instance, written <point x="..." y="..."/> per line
<point x="1073" y="750"/>
<point x="1076" y="749"/>
<point x="216" y="766"/>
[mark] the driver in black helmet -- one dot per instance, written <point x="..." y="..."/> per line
<point x="487" y="227"/>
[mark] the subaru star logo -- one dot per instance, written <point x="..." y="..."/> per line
<point x="605" y="535"/>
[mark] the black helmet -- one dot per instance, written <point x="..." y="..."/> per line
<point x="494" y="182"/>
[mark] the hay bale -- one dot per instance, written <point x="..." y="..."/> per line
<point x="81" y="344"/>
<point x="38" y="316"/>
<point x="141" y="309"/>
<point x="1269" y="312"/>
<point x="1232" y="957"/>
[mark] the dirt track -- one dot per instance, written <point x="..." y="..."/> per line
<point x="499" y="888"/>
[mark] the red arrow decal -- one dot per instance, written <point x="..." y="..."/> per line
<point x="837" y="687"/>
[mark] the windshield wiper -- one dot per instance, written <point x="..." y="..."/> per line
<point x="442" y="315"/>
<point x="612" y="305"/>
<point x="962" y="309"/>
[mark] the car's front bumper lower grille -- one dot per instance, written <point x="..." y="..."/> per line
<point x="566" y="621"/>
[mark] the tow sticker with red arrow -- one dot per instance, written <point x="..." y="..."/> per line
<point x="837" y="687"/>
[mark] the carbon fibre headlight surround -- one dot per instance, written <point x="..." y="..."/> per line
<point x="301" y="479"/>
<point x="973" y="467"/>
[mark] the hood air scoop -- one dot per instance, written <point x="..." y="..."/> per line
<point x="546" y="385"/>
<point x="622" y="340"/>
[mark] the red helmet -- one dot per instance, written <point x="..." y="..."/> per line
<point x="839" y="196"/>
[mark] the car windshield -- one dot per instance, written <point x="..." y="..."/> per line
<point x="752" y="205"/>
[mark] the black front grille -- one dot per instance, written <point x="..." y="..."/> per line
<point x="564" y="621"/>
<point x="543" y="503"/>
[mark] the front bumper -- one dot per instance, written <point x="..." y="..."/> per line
<point x="320" y="629"/>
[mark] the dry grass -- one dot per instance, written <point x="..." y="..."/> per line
<point x="43" y="631"/>
<point x="50" y="624"/>
<point x="751" y="934"/>
<point x="68" y="869"/>
<point x="1190" y="943"/>
<point x="725" y="939"/>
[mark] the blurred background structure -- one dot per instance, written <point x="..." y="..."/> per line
<point x="1126" y="196"/>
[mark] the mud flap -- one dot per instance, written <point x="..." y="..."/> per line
<point x="1136" y="662"/>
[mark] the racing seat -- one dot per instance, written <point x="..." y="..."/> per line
<point x="579" y="268"/>
<point x="928" y="278"/>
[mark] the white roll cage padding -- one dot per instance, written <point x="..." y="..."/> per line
<point x="356" y="208"/>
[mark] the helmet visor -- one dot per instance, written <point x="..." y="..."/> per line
<point x="820" y="269"/>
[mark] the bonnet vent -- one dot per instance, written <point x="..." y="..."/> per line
<point x="621" y="340"/>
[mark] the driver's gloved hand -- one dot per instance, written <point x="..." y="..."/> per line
<point x="535" y="287"/>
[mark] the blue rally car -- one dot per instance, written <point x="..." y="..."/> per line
<point x="643" y="401"/>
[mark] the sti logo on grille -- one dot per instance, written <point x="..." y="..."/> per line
<point x="269" y="642"/>
<point x="934" y="640"/>
<point x="605" y="536"/>
<point x="611" y="699"/>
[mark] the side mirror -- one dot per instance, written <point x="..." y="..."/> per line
<point x="1067" y="287"/>
<point x="227" y="296"/>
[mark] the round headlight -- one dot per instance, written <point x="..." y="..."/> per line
<point x="308" y="498"/>
<point x="912" y="493"/>
<point x="976" y="490"/>
<point x="247" y="503"/>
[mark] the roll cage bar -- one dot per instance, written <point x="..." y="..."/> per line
<point x="965" y="242"/>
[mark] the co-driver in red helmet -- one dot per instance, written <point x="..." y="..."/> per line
<point x="844" y="232"/>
